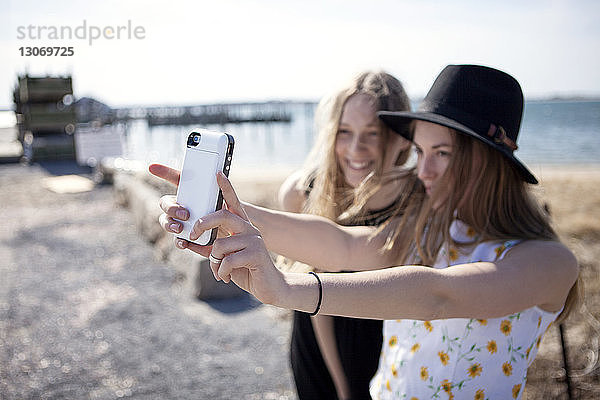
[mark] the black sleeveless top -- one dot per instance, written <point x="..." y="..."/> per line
<point x="358" y="342"/>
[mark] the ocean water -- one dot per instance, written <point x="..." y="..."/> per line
<point x="257" y="145"/>
<point x="560" y="132"/>
<point x="552" y="132"/>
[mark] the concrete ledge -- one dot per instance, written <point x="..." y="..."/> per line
<point x="10" y="152"/>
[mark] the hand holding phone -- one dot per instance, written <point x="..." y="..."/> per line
<point x="206" y="153"/>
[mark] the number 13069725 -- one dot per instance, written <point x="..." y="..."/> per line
<point x="46" y="51"/>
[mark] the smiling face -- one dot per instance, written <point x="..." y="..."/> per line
<point x="434" y="145"/>
<point x="358" y="144"/>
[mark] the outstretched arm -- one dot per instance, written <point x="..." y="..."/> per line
<point x="477" y="290"/>
<point x="306" y="238"/>
<point x="533" y="273"/>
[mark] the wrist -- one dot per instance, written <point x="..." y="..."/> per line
<point x="300" y="291"/>
<point x="320" y="298"/>
<point x="253" y="212"/>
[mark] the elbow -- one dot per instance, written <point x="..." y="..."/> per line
<point x="439" y="308"/>
<point x="440" y="301"/>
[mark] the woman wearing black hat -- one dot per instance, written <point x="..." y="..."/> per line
<point x="469" y="321"/>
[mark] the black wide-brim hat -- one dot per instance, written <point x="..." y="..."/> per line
<point x="479" y="101"/>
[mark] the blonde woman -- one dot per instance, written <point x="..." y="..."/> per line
<point x="336" y="357"/>
<point x="468" y="322"/>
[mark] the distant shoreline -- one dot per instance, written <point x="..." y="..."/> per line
<point x="418" y="99"/>
<point x="575" y="99"/>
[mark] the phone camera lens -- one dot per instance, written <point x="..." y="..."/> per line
<point x="197" y="139"/>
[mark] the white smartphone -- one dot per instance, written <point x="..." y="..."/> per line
<point x="206" y="153"/>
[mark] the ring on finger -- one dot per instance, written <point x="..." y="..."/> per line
<point x="214" y="259"/>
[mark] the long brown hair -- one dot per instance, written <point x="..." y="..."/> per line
<point x="486" y="192"/>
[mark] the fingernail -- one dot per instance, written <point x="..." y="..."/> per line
<point x="182" y="214"/>
<point x="174" y="227"/>
<point x="179" y="243"/>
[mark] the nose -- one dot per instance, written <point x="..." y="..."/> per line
<point x="425" y="168"/>
<point x="357" y="145"/>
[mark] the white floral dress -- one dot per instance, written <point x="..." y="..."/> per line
<point x="460" y="358"/>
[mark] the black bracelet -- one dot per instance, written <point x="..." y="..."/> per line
<point x="320" y="294"/>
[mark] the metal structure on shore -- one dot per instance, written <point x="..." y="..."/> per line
<point x="45" y="117"/>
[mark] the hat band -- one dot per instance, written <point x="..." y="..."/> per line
<point x="498" y="134"/>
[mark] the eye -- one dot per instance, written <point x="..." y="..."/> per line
<point x="343" y="132"/>
<point x="418" y="151"/>
<point x="444" y="153"/>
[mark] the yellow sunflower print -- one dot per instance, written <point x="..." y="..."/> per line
<point x="482" y="322"/>
<point x="428" y="326"/>
<point x="452" y="254"/>
<point x="424" y="373"/>
<point x="515" y="391"/>
<point x="492" y="347"/>
<point x="394" y="370"/>
<point x="507" y="368"/>
<point x="505" y="327"/>
<point x="499" y="250"/>
<point x="393" y="341"/>
<point x="479" y="395"/>
<point x="444" y="357"/>
<point x="447" y="387"/>
<point x="475" y="370"/>
<point x="415" y="348"/>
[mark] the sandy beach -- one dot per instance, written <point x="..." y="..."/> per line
<point x="573" y="195"/>
<point x="90" y="310"/>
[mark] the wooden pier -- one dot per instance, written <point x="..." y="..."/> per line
<point x="230" y="113"/>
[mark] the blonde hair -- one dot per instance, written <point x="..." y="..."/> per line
<point x="330" y="195"/>
<point x="481" y="188"/>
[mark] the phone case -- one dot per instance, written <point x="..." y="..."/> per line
<point x="206" y="153"/>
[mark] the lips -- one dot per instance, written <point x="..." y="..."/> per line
<point x="359" y="165"/>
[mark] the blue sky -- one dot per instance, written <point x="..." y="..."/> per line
<point x="231" y="50"/>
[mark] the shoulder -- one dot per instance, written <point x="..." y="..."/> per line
<point x="547" y="254"/>
<point x="292" y="192"/>
<point x="550" y="263"/>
